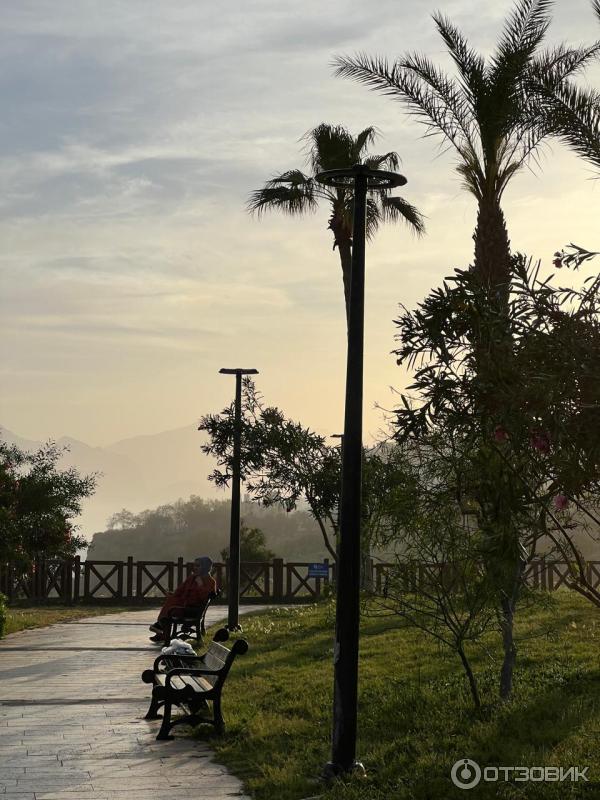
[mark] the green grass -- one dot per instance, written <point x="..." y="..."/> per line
<point x="19" y="619"/>
<point x="415" y="715"/>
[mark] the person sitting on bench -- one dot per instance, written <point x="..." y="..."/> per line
<point x="192" y="593"/>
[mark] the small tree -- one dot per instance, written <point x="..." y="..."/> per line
<point x="253" y="545"/>
<point x="282" y="462"/>
<point x="38" y="504"/>
<point x="437" y="582"/>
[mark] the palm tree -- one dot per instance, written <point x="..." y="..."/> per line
<point x="295" y="192"/>
<point x="495" y="114"/>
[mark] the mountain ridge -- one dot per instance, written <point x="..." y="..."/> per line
<point x="136" y="473"/>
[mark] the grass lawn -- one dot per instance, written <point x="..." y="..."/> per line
<point x="19" y="619"/>
<point x="416" y="717"/>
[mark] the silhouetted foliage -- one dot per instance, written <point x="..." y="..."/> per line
<point x="194" y="527"/>
<point x="38" y="504"/>
<point x="282" y="462"/>
<point x="521" y="429"/>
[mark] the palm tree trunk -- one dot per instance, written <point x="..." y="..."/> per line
<point x="492" y="250"/>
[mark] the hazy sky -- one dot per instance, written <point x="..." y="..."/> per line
<point x="131" y="135"/>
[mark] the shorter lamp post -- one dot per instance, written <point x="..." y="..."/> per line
<point x="361" y="179"/>
<point x="233" y="586"/>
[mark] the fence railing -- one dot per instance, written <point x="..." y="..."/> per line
<point x="276" y="581"/>
<point x="132" y="582"/>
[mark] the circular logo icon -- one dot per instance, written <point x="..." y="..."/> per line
<point x="466" y="773"/>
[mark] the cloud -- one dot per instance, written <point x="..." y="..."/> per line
<point x="131" y="136"/>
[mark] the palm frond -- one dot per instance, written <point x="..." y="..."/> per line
<point x="524" y="29"/>
<point x="389" y="161"/>
<point x="561" y="62"/>
<point x="573" y="115"/>
<point x="510" y="67"/>
<point x="397" y="209"/>
<point x="473" y="177"/>
<point x="596" y="7"/>
<point x="329" y="147"/>
<point x="470" y="64"/>
<point x="399" y="82"/>
<point x="363" y="140"/>
<point x="374" y="216"/>
<point x="447" y="90"/>
<point x="291" y="192"/>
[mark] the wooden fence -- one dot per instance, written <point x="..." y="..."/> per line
<point x="137" y="582"/>
<point x="542" y="574"/>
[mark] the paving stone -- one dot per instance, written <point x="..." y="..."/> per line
<point x="19" y="796"/>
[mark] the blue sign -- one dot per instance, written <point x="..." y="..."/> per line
<point x="318" y="570"/>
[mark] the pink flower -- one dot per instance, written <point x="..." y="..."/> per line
<point x="541" y="441"/>
<point x="557" y="263"/>
<point x="561" y="501"/>
<point x="500" y="434"/>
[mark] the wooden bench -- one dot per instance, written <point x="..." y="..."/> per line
<point x="191" y="683"/>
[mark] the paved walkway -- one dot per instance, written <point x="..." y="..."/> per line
<point x="97" y="746"/>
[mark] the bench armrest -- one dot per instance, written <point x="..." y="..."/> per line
<point x="166" y="656"/>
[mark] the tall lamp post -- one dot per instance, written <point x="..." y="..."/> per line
<point x="345" y="689"/>
<point x="233" y="586"/>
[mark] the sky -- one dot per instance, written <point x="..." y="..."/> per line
<point x="130" y="271"/>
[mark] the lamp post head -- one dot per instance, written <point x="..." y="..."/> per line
<point x="345" y="178"/>
<point x="238" y="371"/>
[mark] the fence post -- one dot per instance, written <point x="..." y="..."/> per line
<point x="138" y="583"/>
<point x="179" y="570"/>
<point x="86" y="580"/>
<point x="10" y="581"/>
<point x="67" y="581"/>
<point x="278" y="580"/>
<point x="130" y="578"/>
<point x="120" y="580"/>
<point x="36" y="582"/>
<point x="76" y="578"/>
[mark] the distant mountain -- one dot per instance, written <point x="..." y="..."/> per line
<point x="137" y="473"/>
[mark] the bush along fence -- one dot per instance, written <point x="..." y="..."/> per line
<point x="133" y="582"/>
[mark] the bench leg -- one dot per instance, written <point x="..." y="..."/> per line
<point x="154" y="706"/>
<point x="170" y="629"/>
<point x="218" y="720"/>
<point x="166" y="723"/>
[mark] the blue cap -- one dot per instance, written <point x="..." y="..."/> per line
<point x="204" y="564"/>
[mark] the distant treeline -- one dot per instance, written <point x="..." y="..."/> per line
<point x="195" y="527"/>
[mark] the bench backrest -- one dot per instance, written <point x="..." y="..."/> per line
<point x="220" y="658"/>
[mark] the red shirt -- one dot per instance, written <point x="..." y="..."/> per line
<point x="191" y="593"/>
